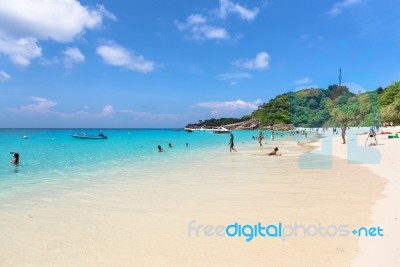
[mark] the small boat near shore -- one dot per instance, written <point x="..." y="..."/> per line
<point x="217" y="130"/>
<point x="221" y="130"/>
<point x="85" y="136"/>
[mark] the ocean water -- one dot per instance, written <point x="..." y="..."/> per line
<point x="52" y="156"/>
<point x="49" y="150"/>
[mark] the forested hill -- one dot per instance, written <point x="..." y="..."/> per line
<point x="317" y="107"/>
<point x="334" y="106"/>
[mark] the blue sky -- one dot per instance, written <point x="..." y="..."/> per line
<point x="153" y="63"/>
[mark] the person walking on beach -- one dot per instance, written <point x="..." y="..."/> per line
<point x="231" y="144"/>
<point x="260" y="138"/>
<point x="273" y="136"/>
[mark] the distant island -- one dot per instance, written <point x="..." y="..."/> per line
<point x="317" y="107"/>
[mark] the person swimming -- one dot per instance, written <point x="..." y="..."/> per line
<point x="160" y="149"/>
<point x="15" y="159"/>
<point x="170" y="145"/>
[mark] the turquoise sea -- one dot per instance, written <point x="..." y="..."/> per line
<point x="53" y="156"/>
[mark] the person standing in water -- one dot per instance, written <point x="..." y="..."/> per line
<point x="15" y="159"/>
<point x="260" y="138"/>
<point x="231" y="144"/>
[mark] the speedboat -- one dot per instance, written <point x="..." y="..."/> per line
<point x="85" y="136"/>
<point x="189" y="130"/>
<point x="221" y="130"/>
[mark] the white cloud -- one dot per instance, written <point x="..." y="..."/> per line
<point x="41" y="106"/>
<point x="25" y="22"/>
<point x="305" y="80"/>
<point x="227" y="7"/>
<point x="230" y="105"/>
<point x="20" y="51"/>
<point x="233" y="78"/>
<point x="44" y="106"/>
<point x="108" y="110"/>
<point x="4" y="76"/>
<point x="73" y="55"/>
<point x="140" y="115"/>
<point x="116" y="55"/>
<point x="60" y="20"/>
<point x="260" y="62"/>
<point x="198" y="28"/>
<point x="49" y="62"/>
<point x="339" y="6"/>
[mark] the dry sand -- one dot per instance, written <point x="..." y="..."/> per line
<point x="383" y="251"/>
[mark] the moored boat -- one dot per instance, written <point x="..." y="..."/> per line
<point x="85" y="136"/>
<point x="221" y="130"/>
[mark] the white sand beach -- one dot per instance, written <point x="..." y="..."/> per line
<point x="152" y="216"/>
<point x="386" y="211"/>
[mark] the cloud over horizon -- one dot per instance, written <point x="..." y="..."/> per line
<point x="227" y="107"/>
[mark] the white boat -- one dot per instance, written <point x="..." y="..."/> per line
<point x="85" y="136"/>
<point x="203" y="129"/>
<point x="221" y="130"/>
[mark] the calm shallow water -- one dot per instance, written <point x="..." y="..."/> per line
<point x="53" y="156"/>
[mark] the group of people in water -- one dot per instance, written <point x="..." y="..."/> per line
<point x="231" y="145"/>
<point x="160" y="149"/>
<point x="260" y="138"/>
